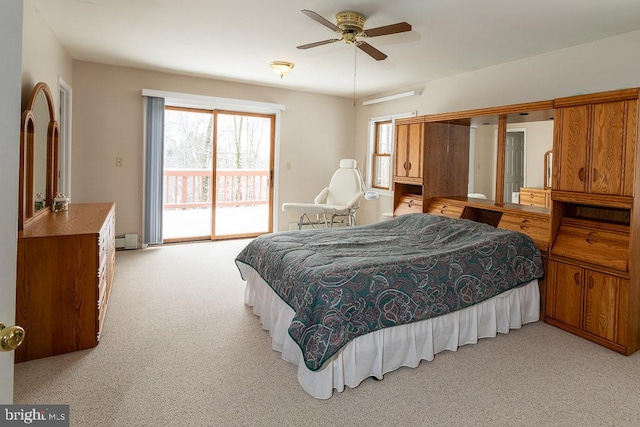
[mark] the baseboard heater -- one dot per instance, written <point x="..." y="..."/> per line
<point x="127" y="241"/>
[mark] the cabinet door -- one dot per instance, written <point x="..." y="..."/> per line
<point x="601" y="304"/>
<point x="415" y="149"/>
<point x="608" y="149"/>
<point x="402" y="137"/>
<point x="566" y="293"/>
<point x="572" y="145"/>
<point x="409" y="149"/>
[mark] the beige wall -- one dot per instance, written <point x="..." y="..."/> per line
<point x="43" y="57"/>
<point x="316" y="131"/>
<point x="602" y="65"/>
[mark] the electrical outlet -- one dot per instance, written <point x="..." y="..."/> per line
<point x="118" y="162"/>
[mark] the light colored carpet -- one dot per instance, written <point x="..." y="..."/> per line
<point x="180" y="348"/>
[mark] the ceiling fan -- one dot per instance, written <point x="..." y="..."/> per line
<point x="350" y="25"/>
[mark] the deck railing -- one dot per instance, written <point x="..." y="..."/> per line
<point x="191" y="188"/>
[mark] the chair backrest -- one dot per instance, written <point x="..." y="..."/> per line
<point x="345" y="183"/>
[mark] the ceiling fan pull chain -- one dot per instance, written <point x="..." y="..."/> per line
<point x="355" y="61"/>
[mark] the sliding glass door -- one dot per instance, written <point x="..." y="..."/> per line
<point x="217" y="179"/>
<point x="188" y="156"/>
<point x="244" y="145"/>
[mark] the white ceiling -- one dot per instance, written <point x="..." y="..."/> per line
<point x="236" y="40"/>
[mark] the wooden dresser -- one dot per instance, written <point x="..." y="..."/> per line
<point x="65" y="271"/>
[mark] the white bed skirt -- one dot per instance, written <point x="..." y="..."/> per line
<point x="388" y="349"/>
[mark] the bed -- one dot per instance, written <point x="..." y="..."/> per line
<point x="345" y="304"/>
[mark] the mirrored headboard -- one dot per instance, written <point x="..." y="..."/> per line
<point x="38" y="156"/>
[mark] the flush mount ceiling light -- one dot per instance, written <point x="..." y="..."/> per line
<point x="281" y="67"/>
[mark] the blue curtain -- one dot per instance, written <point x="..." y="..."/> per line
<point x="154" y="165"/>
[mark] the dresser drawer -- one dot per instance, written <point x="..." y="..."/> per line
<point x="444" y="208"/>
<point x="534" y="197"/>
<point x="593" y="243"/>
<point x="536" y="228"/>
<point x="410" y="203"/>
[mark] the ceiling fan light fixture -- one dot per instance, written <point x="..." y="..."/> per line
<point x="281" y="67"/>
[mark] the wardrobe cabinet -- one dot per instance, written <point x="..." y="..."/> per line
<point x="423" y="167"/>
<point x="594" y="281"/>
<point x="595" y="146"/>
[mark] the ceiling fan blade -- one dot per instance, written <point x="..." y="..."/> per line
<point x="371" y="51"/>
<point x="319" y="19"/>
<point x="310" y="45"/>
<point x="400" y="27"/>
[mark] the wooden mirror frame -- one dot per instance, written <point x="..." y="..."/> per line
<point x="26" y="211"/>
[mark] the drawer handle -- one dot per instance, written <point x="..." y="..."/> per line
<point x="405" y="166"/>
<point x="409" y="164"/>
<point x="581" y="174"/>
<point x="595" y="175"/>
<point x="576" y="279"/>
<point x="411" y="203"/>
<point x="591" y="238"/>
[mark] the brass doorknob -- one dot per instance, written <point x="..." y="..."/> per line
<point x="10" y="337"/>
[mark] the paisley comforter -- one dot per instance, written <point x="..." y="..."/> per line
<point x="346" y="282"/>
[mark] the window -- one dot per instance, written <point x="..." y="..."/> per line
<point x="381" y="145"/>
<point x="382" y="155"/>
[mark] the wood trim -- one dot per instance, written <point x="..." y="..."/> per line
<point x="607" y="200"/>
<point x="479" y="112"/>
<point x="592" y="98"/>
<point x="594" y="338"/>
<point x="492" y="111"/>
<point x="520" y="210"/>
<point x="633" y="341"/>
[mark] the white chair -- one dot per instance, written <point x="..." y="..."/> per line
<point x="335" y="203"/>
